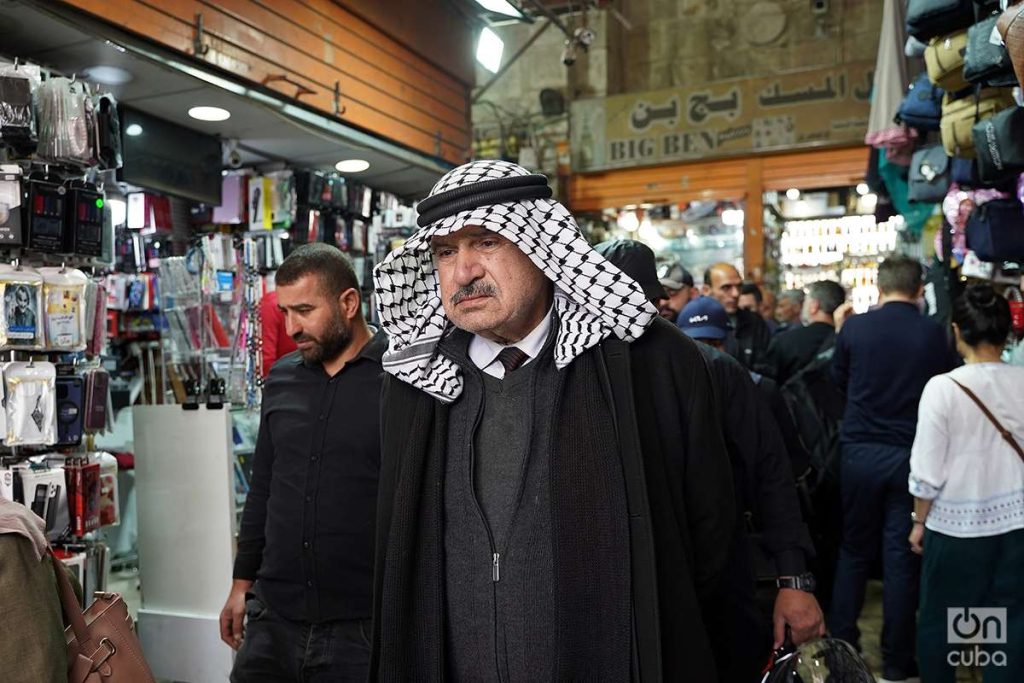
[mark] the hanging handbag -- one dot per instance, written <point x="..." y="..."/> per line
<point x="929" y="18"/>
<point x="959" y="117"/>
<point x="986" y="63"/>
<point x="999" y="145"/>
<point x="995" y="231"/>
<point x="1011" y="27"/>
<point x="922" y="107"/>
<point x="102" y="645"/>
<point x="944" y="58"/>
<point x="929" y="177"/>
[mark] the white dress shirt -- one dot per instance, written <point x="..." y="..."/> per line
<point x="960" y="462"/>
<point x="484" y="352"/>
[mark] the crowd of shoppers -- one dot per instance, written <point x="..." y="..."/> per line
<point x="529" y="473"/>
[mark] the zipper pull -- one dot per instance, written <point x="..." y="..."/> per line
<point x="496" y="568"/>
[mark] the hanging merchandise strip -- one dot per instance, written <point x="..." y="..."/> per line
<point x="253" y="290"/>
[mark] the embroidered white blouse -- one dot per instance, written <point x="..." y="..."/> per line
<point x="960" y="462"/>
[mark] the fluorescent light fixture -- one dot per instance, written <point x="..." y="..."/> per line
<point x="792" y="194"/>
<point x="133" y="129"/>
<point x="501" y="7"/>
<point x="108" y="75"/>
<point x="489" y="49"/>
<point x="352" y="166"/>
<point x="862" y="189"/>
<point x="209" y="113"/>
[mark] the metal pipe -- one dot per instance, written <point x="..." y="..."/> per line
<point x="512" y="60"/>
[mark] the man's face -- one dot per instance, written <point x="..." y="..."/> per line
<point x="787" y="311"/>
<point x="768" y="305"/>
<point x="725" y="287"/>
<point x="21" y="298"/>
<point x="677" y="299"/>
<point x="488" y="285"/>
<point x="748" y="302"/>
<point x="316" y="320"/>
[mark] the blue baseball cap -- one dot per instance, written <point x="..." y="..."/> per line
<point x="704" y="318"/>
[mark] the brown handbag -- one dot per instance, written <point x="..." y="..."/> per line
<point x="1011" y="28"/>
<point x="102" y="645"/>
<point x="944" y="58"/>
<point x="959" y="117"/>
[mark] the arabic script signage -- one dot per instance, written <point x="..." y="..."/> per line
<point x="820" y="108"/>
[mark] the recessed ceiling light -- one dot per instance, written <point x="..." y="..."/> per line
<point x="352" y="166"/>
<point x="108" y="75"/>
<point x="793" y="194"/>
<point x="209" y="113"/>
<point x="133" y="130"/>
<point x="863" y="189"/>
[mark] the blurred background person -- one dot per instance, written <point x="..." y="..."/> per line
<point x="788" y="309"/>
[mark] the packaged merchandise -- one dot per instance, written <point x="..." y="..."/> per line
<point x="67" y="124"/>
<point x="31" y="403"/>
<point x="47" y="202"/>
<point x="83" y="484"/>
<point x="43" y="490"/>
<point x="11" y="200"/>
<point x="7" y="483"/>
<point x="108" y="132"/>
<point x="64" y="308"/>
<point x="97" y="395"/>
<point x="21" y="326"/>
<point x="110" y="510"/>
<point x="70" y="401"/>
<point x="18" y="126"/>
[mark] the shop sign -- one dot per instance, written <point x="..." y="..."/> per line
<point x="823" y="107"/>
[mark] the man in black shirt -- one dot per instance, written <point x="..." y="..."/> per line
<point x="748" y="341"/>
<point x="792" y="350"/>
<point x="303" y="573"/>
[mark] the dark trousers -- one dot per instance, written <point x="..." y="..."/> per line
<point x="275" y="650"/>
<point x="876" y="517"/>
<point x="961" y="573"/>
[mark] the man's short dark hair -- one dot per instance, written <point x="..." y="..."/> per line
<point x="795" y="295"/>
<point x="332" y="268"/>
<point x="751" y="288"/>
<point x="900" y="275"/>
<point x="829" y="295"/>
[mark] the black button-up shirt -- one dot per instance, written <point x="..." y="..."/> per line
<point x="307" y="532"/>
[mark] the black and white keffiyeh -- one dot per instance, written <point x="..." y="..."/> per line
<point x="593" y="298"/>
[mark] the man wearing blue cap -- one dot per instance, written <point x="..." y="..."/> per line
<point x="764" y="483"/>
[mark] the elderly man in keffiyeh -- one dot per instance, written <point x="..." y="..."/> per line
<point x="554" y="494"/>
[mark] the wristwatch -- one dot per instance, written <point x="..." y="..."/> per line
<point x="802" y="582"/>
<point x="916" y="518"/>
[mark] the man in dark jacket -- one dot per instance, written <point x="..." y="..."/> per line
<point x="882" y="361"/>
<point x="553" y="490"/>
<point x="792" y="350"/>
<point x="750" y="335"/>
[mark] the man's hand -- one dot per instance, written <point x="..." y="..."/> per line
<point x="801" y="611"/>
<point x="232" y="617"/>
<point x="842" y="314"/>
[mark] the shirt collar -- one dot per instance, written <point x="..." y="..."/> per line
<point x="483" y="351"/>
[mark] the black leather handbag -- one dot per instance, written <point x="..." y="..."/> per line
<point x="999" y="145"/>
<point x="995" y="231"/>
<point x="986" y="63"/>
<point x="930" y="174"/>
<point x="927" y="19"/>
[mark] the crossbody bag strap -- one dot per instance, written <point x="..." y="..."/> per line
<point x="641" y="533"/>
<point x="1003" y="431"/>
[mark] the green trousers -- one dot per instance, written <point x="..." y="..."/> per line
<point x="971" y="573"/>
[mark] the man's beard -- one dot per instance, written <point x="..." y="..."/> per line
<point x="668" y="313"/>
<point x="330" y="345"/>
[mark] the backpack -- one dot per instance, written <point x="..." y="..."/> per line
<point x="817" y="406"/>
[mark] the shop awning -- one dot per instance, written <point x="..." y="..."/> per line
<point x="268" y="127"/>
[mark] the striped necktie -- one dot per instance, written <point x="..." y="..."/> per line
<point x="511" y="358"/>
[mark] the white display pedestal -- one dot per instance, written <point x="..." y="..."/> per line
<point x="184" y="481"/>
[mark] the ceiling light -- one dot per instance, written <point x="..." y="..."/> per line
<point x="862" y="189"/>
<point x="792" y="194"/>
<point x="108" y="75"/>
<point x="352" y="166"/>
<point x="133" y="130"/>
<point x="209" y="113"/>
<point x="489" y="49"/>
<point x="501" y="7"/>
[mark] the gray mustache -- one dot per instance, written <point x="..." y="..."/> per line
<point x="480" y="289"/>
